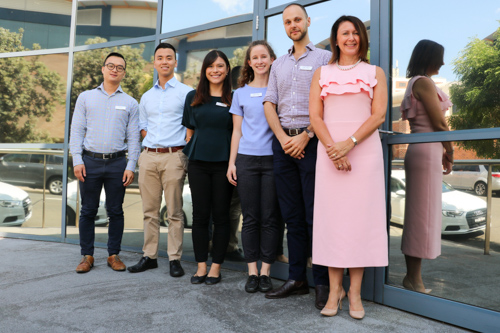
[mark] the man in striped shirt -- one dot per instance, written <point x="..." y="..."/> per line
<point x="105" y="125"/>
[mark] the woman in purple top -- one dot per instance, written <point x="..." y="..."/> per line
<point x="251" y="166"/>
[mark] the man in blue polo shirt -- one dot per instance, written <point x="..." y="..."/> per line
<point x="162" y="164"/>
<point x="105" y="125"/>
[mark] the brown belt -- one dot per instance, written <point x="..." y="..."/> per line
<point x="164" y="150"/>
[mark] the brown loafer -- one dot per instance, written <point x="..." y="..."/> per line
<point x="85" y="265"/>
<point x="115" y="263"/>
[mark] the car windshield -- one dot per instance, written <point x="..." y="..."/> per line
<point x="447" y="187"/>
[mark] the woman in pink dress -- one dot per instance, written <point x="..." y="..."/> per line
<point x="424" y="105"/>
<point x="347" y="104"/>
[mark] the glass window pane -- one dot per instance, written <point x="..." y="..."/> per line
<point x="104" y="21"/>
<point x="461" y="272"/>
<point x="274" y="3"/>
<point x="467" y="75"/>
<point x="192" y="48"/>
<point x="33" y="24"/>
<point x="180" y="14"/>
<point x="42" y="81"/>
<point x="322" y="16"/>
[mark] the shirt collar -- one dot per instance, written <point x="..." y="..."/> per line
<point x="172" y="82"/>
<point x="101" y="88"/>
<point x="310" y="46"/>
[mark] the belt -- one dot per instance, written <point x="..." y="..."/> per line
<point x="164" y="150"/>
<point x="105" y="156"/>
<point x="294" y="131"/>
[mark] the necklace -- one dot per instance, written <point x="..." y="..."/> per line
<point x="346" y="68"/>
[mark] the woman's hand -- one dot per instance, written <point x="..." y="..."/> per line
<point x="342" y="164"/>
<point x="447" y="163"/>
<point x="340" y="149"/>
<point x="231" y="174"/>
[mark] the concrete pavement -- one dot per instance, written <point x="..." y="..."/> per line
<point x="40" y="292"/>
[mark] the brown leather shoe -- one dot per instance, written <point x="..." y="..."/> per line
<point x="85" y="265"/>
<point x="290" y="287"/>
<point x="115" y="263"/>
<point x="322" y="292"/>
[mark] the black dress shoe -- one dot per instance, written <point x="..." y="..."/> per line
<point x="176" y="269"/>
<point x="144" y="264"/>
<point x="290" y="287"/>
<point x="236" y="255"/>
<point x="195" y="279"/>
<point x="322" y="292"/>
<point x="213" y="280"/>
<point x="252" y="284"/>
<point x="265" y="283"/>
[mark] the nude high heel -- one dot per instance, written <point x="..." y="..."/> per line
<point x="408" y="285"/>
<point x="332" y="312"/>
<point x="356" y="314"/>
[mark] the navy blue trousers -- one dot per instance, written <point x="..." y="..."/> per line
<point x="107" y="173"/>
<point x="295" y="188"/>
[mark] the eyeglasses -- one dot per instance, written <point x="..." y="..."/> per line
<point x="111" y="66"/>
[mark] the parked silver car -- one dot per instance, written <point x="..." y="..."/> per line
<point x="15" y="206"/>
<point x="473" y="177"/>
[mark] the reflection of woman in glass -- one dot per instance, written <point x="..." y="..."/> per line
<point x="251" y="166"/>
<point x="424" y="106"/>
<point x="347" y="104"/>
<point x="209" y="126"/>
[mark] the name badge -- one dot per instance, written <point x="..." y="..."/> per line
<point x="256" y="95"/>
<point x="119" y="107"/>
<point x="221" y="104"/>
<point x="306" y="68"/>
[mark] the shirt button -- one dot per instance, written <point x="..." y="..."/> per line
<point x="294" y="79"/>
<point x="294" y="92"/>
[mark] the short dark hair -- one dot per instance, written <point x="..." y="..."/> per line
<point x="363" y="37"/>
<point x="114" y="54"/>
<point x="166" y="46"/>
<point x="427" y="55"/>
<point x="299" y="5"/>
<point x="202" y="95"/>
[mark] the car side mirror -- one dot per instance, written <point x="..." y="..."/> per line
<point x="401" y="193"/>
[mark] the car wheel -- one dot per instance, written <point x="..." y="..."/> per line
<point x="163" y="218"/>
<point x="55" y="185"/>
<point x="480" y="188"/>
<point x="70" y="217"/>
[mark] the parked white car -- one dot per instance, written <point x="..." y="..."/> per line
<point x="101" y="217"/>
<point x="15" y="205"/>
<point x="187" y="208"/>
<point x="473" y="177"/>
<point x="462" y="212"/>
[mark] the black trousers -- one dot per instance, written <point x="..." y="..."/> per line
<point x="211" y="193"/>
<point x="259" y="205"/>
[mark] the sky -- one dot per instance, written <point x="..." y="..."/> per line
<point x="451" y="23"/>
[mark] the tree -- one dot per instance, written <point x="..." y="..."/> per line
<point x="29" y="91"/>
<point x="477" y="94"/>
<point x="87" y="69"/>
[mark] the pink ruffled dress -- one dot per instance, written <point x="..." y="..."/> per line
<point x="424" y="175"/>
<point x="349" y="207"/>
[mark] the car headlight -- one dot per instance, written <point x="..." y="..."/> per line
<point x="10" y="203"/>
<point x="452" y="213"/>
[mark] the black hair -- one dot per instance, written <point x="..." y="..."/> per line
<point x="166" y="46"/>
<point x="114" y="54"/>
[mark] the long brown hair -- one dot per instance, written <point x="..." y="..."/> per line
<point x="202" y="95"/>
<point x="363" y="38"/>
<point x="427" y="55"/>
<point x="247" y="75"/>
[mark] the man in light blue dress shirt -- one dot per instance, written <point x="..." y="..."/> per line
<point x="162" y="164"/>
<point x="105" y="125"/>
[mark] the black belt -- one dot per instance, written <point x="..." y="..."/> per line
<point x="105" y="156"/>
<point x="294" y="131"/>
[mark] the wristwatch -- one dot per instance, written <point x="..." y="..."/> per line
<point x="310" y="134"/>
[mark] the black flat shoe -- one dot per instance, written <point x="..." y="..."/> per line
<point x="252" y="284"/>
<point x="195" y="279"/>
<point x="144" y="264"/>
<point x="213" y="280"/>
<point x="265" y="283"/>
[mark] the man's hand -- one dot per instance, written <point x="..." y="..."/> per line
<point x="295" y="145"/>
<point x="128" y="177"/>
<point x="80" y="173"/>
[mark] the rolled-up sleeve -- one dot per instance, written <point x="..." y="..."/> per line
<point x="133" y="136"/>
<point x="272" y="87"/>
<point x="78" y="129"/>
